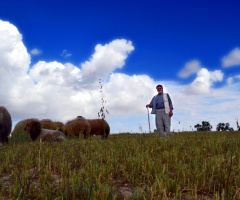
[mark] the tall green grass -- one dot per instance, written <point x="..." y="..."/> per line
<point x="192" y="165"/>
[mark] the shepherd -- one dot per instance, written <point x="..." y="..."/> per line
<point x="162" y="107"/>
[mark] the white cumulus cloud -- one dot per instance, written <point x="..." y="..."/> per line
<point x="233" y="58"/>
<point x="13" y="52"/>
<point x="202" y="84"/>
<point x="14" y="63"/>
<point x="106" y="59"/>
<point x="128" y="94"/>
<point x="55" y="73"/>
<point x="190" y="68"/>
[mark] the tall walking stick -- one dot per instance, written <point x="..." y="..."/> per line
<point x="149" y="121"/>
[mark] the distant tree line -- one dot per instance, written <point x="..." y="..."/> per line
<point x="206" y="126"/>
<point x="224" y="127"/>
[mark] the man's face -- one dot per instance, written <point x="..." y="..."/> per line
<point x="159" y="89"/>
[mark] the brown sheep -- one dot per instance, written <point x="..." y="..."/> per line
<point x="98" y="126"/>
<point x="5" y="125"/>
<point x="76" y="127"/>
<point x="19" y="128"/>
<point x="59" y="125"/>
<point x="34" y="128"/>
<point x="48" y="124"/>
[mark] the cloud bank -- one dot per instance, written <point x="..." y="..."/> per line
<point x="62" y="91"/>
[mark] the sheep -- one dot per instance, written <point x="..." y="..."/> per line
<point x="48" y="124"/>
<point x="19" y="128"/>
<point x="5" y="125"/>
<point x="59" y="125"/>
<point x="76" y="127"/>
<point x="37" y="133"/>
<point x="98" y="126"/>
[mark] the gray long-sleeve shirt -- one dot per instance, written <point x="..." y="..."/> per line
<point x="160" y="102"/>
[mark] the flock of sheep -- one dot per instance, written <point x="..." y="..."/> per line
<point x="47" y="130"/>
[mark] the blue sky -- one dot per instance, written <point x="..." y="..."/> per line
<point x="164" y="36"/>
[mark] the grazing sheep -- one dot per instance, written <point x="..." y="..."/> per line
<point x="34" y="128"/>
<point x="5" y="125"/>
<point x="59" y="125"/>
<point x="48" y="124"/>
<point x="20" y="126"/>
<point x="76" y="127"/>
<point x="98" y="126"/>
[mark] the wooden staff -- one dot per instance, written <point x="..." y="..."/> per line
<point x="149" y="121"/>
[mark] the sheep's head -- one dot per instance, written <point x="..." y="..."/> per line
<point x="34" y="128"/>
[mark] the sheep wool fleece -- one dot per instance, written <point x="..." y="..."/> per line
<point x="163" y="121"/>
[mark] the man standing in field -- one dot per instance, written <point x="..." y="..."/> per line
<point x="162" y="107"/>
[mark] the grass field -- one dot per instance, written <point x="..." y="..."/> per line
<point x="191" y="165"/>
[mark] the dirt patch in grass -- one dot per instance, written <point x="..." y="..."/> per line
<point x="122" y="189"/>
<point x="126" y="190"/>
<point x="6" y="180"/>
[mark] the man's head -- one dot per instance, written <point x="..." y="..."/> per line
<point x="159" y="88"/>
